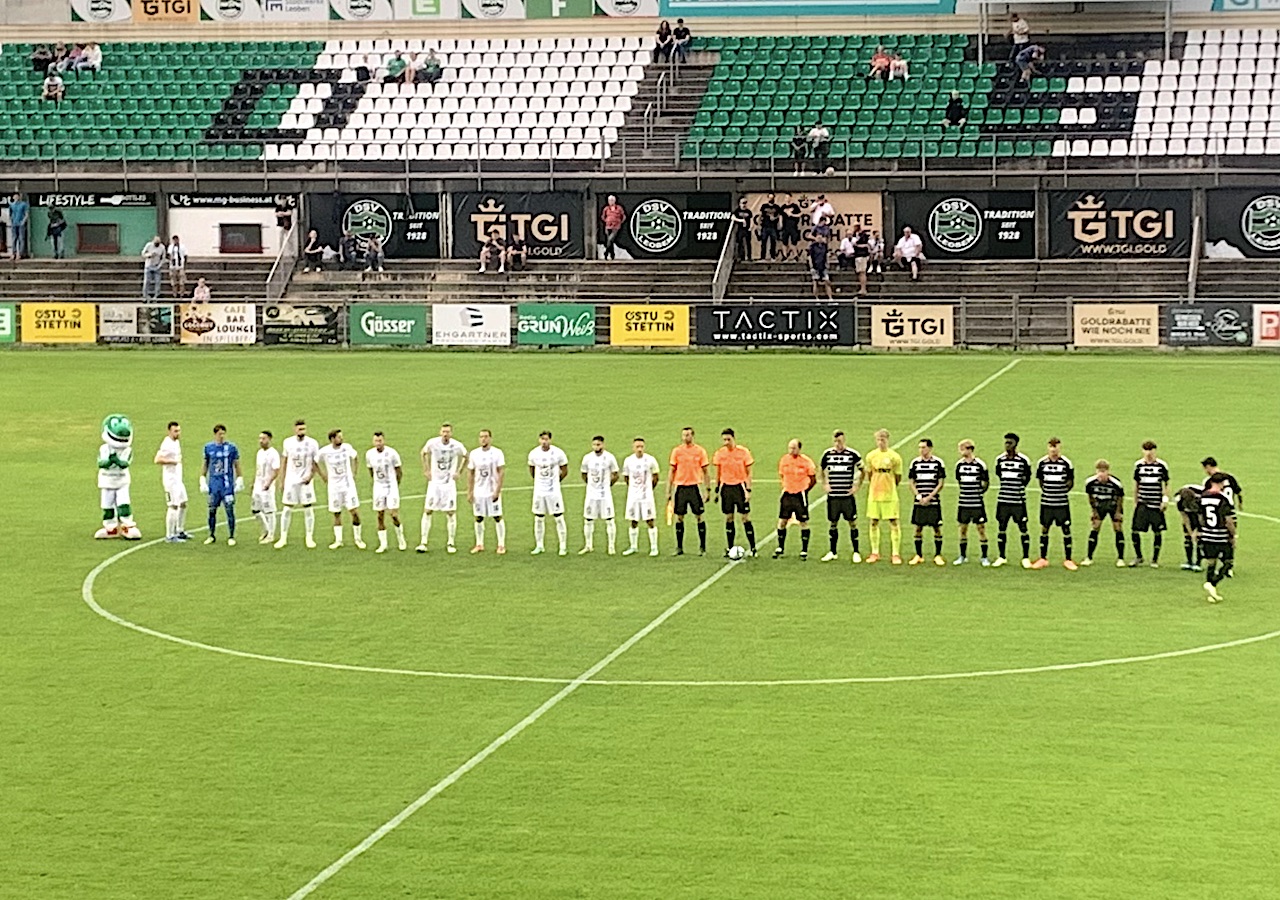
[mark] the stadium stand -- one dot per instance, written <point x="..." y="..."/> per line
<point x="109" y="277"/>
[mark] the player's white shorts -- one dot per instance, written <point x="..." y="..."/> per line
<point x="385" y="498"/>
<point x="264" y="501"/>
<point x="548" y="504"/>
<point x="175" y="493"/>
<point x="113" y="497"/>
<point x="341" y="498"/>
<point x="598" y="509"/>
<point x="487" y="507"/>
<point x="442" y="496"/>
<point x="298" y="494"/>
<point x="641" y="509"/>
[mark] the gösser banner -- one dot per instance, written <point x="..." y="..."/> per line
<point x="1142" y="224"/>
<point x="804" y="324"/>
<point x="1246" y="220"/>
<point x="550" y="223"/>
<point x="556" y="324"/>
<point x="387" y="323"/>
<point x="311" y="323"/>
<point x="1266" y="325"/>
<point x="218" y="323"/>
<point x="136" y="323"/>
<point x="59" y="323"/>
<point x="471" y="324"/>
<point x="970" y="224"/>
<point x="1210" y="324"/>
<point x="1116" y="325"/>
<point x="8" y="323"/>
<point x="669" y="225"/>
<point x="649" y="325"/>
<point x="912" y="326"/>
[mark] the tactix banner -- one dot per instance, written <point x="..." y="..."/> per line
<point x="772" y="325"/>
<point x="1119" y="224"/>
<point x="408" y="225"/>
<point x="550" y="223"/>
<point x="970" y="224"/>
<point x="663" y="225"/>
<point x="1243" y="220"/>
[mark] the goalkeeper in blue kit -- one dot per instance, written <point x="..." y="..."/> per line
<point x="220" y="479"/>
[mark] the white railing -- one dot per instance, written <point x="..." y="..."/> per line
<point x="724" y="265"/>
<point x="1193" y="264"/>
<point x="286" y="261"/>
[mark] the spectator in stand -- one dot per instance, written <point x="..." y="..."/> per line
<point x="909" y="252"/>
<point x="742" y="219"/>
<point x="90" y="59"/>
<point x="313" y="252"/>
<point x="412" y="67"/>
<point x="493" y="249"/>
<point x="396" y="66"/>
<point x="517" y="254"/>
<point x="177" y="257"/>
<point x="1019" y="35"/>
<point x="818" y="265"/>
<point x="18" y="212"/>
<point x="201" y="293"/>
<point x="41" y="58"/>
<point x="957" y="113"/>
<point x="373" y="255"/>
<point x="153" y="257"/>
<point x="819" y="145"/>
<point x="791" y="213"/>
<point x="284" y="213"/>
<point x="59" y="61"/>
<point x="432" y="70"/>
<point x="861" y="256"/>
<point x="822" y="209"/>
<point x="879" y="67"/>
<point x="53" y="89"/>
<point x="799" y="150"/>
<point x="663" y="43"/>
<point x="612" y="217"/>
<point x="875" y="261"/>
<point x="57" y="228"/>
<point x="770" y="227"/>
<point x="1026" y="62"/>
<point x="899" y="68"/>
<point x="844" y="259"/>
<point x="72" y="60"/>
<point x="349" y="252"/>
<point x="361" y="67"/>
<point x="682" y="38"/>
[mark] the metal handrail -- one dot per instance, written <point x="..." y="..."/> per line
<point x="282" y="269"/>
<point x="724" y="265"/>
<point x="1193" y="264"/>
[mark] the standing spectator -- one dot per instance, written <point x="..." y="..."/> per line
<point x="879" y="67"/>
<point x="493" y="249"/>
<point x="822" y="209"/>
<point x="395" y="68"/>
<point x="431" y="70"/>
<point x="818" y="266"/>
<point x="819" y="145"/>
<point x="791" y="213"/>
<point x="57" y="227"/>
<point x="373" y="255"/>
<point x="899" y="68"/>
<point x="957" y="114"/>
<point x="54" y="88"/>
<point x="90" y="58"/>
<point x="799" y="150"/>
<point x="663" y="43"/>
<point x="284" y="214"/>
<point x="41" y="58"/>
<point x="612" y="217"/>
<point x="177" y="257"/>
<point x="875" y="259"/>
<point x="1026" y="62"/>
<point x="861" y="257"/>
<point x="909" y="252"/>
<point x="313" y="252"/>
<point x="770" y="227"/>
<point x="1019" y="35"/>
<point x="201" y="293"/>
<point x="682" y="38"/>
<point x="517" y="254"/>
<point x="361" y="66"/>
<point x="153" y="256"/>
<point x="742" y="219"/>
<point x="18" y="212"/>
<point x="349" y="252"/>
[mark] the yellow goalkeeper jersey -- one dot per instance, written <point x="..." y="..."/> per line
<point x="884" y="471"/>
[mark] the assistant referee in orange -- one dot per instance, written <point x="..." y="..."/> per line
<point x="798" y="474"/>
<point x="733" y="464"/>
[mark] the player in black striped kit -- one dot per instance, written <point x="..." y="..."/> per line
<point x="927" y="475"/>
<point x="1057" y="477"/>
<point x="1188" y="506"/>
<point x="1150" y="497"/>
<point x="1013" y="470"/>
<point x="1217" y="533"/>
<point x="1106" y="493"/>
<point x="1233" y="492"/>
<point x="841" y="469"/>
<point x="973" y="480"/>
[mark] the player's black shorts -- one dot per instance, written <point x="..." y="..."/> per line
<point x="976" y="515"/>
<point x="1193" y="522"/>
<point x="1011" y="512"/>
<point x="926" y="516"/>
<point x="733" y="498"/>
<point x="688" y="499"/>
<point x="1147" y="518"/>
<point x="1108" y="511"/>
<point x="1215" y="550"/>
<point x="794" y="505"/>
<point x="1055" y="515"/>
<point x="842" y="508"/>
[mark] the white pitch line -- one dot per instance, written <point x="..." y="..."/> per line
<point x="555" y="699"/>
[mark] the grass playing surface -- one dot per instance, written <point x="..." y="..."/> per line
<point x="136" y="767"/>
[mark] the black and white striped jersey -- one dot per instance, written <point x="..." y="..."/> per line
<point x="1056" y="477"/>
<point x="1014" y="474"/>
<point x="1105" y="491"/>
<point x="840" y="467"/>
<point x="973" y="479"/>
<point x="1151" y="479"/>
<point x="926" y="474"/>
<point x="1215" y="509"/>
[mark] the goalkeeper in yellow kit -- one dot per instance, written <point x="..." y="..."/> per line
<point x="883" y="468"/>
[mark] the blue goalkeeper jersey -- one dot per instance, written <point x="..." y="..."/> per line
<point x="222" y="470"/>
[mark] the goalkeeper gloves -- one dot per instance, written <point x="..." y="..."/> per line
<point x="204" y="485"/>
<point x="239" y="484"/>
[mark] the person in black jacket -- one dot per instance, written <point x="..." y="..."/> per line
<point x="957" y="114"/>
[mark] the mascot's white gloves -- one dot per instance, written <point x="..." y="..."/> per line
<point x="204" y="485"/>
<point x="239" y="484"/>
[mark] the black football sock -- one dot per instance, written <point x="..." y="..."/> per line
<point x="1026" y="543"/>
<point x="679" y="535"/>
<point x="1200" y="556"/>
<point x="702" y="536"/>
<point x="751" y="535"/>
<point x="730" y="533"/>
<point x="1155" y="546"/>
<point x="1066" y="542"/>
<point x="1211" y="572"/>
<point x="1044" y="546"/>
<point x="1002" y="541"/>
<point x="853" y="536"/>
<point x="1093" y="544"/>
<point x="919" y="546"/>
<point x="782" y="539"/>
<point x="983" y="545"/>
<point x="937" y="544"/>
<point x="804" y="540"/>
<point x="1137" y="545"/>
<point x="833" y="535"/>
<point x="1119" y="545"/>
<point x="964" y="548"/>
<point x="1187" y="547"/>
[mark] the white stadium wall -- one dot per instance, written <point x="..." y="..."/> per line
<point x="199" y="228"/>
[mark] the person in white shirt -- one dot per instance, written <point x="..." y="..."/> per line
<point x="821" y="207"/>
<point x="909" y="252"/>
<point x="486" y="471"/>
<point x="384" y="466"/>
<point x="641" y="472"/>
<point x="600" y="472"/>
<point x="847" y="251"/>
<point x="300" y="454"/>
<point x="548" y="466"/>
<point x="1019" y="34"/>
<point x="169" y="458"/>
<point x="442" y="462"/>
<point x="265" y="471"/>
<point x="338" y="459"/>
<point x="176" y="254"/>
<point x="819" y="146"/>
<point x="899" y="68"/>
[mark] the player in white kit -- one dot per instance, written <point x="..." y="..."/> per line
<point x="548" y="465"/>
<point x="486" y="471"/>
<point x="641" y="473"/>
<point x="339" y="472"/>
<point x="169" y="458"/>
<point x="384" y="466"/>
<point x="442" y="462"/>
<point x="600" y="472"/>
<point x="266" y="469"/>
<point x="300" y="453"/>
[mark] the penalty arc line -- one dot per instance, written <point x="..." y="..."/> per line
<point x="559" y="696"/>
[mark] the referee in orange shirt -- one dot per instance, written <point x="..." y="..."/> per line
<point x="798" y="474"/>
<point x="733" y="464"/>
<point x="690" y="484"/>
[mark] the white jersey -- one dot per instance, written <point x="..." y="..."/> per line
<point x="339" y="462"/>
<point x="265" y="469"/>
<point x="444" y="458"/>
<point x="546" y="470"/>
<point x="300" y="454"/>
<point x="639" y="472"/>
<point x="384" y="464"/>
<point x="599" y="469"/>
<point x="485" y="463"/>
<point x="171" y="452"/>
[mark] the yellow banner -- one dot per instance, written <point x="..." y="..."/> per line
<point x="913" y="325"/>
<point x="649" y="325"/>
<point x="59" y="323"/>
<point x="153" y="11"/>
<point x="1116" y="324"/>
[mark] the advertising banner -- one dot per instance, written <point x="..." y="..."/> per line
<point x="309" y="323"/>
<point x="100" y="11"/>
<point x="550" y="223"/>
<point x="493" y="9"/>
<point x="1266" y="325"/>
<point x="1210" y="324"/>
<point x="136" y="323"/>
<point x="663" y="225"/>
<point x="225" y="201"/>
<point x="556" y="324"/>
<point x="627" y="8"/>
<point x="1116" y="324"/>
<point x="748" y="8"/>
<point x="427" y="9"/>
<point x="852" y="208"/>
<point x="295" y="10"/>
<point x="407" y="225"/>
<point x="970" y="224"/>
<point x="387" y="323"/>
<point x="1119" y="224"/>
<point x="471" y="325"/>
<point x="92" y="201"/>
<point x="559" y="9"/>
<point x="649" y="325"/>
<point x="775" y="325"/>
<point x="218" y="323"/>
<point x="148" y="12"/>
<point x="8" y="323"/>
<point x="913" y="325"/>
<point x="59" y="323"/>
<point x="362" y="10"/>
<point x="1245" y="220"/>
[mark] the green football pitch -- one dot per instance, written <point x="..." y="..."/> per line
<point x="184" y="721"/>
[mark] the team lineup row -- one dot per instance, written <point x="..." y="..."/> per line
<point x="1207" y="511"/>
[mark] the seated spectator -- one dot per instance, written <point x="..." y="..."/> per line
<point x="360" y="65"/>
<point x="819" y="145"/>
<point x="395" y="68"/>
<point x="899" y="68"/>
<point x="799" y="150"/>
<point x="59" y="62"/>
<point x="41" y="58"/>
<point x="313" y="252"/>
<point x="1019" y="35"/>
<point x="818" y="266"/>
<point x="201" y="293"/>
<point x="72" y="58"/>
<point x="848" y="250"/>
<point x="431" y="68"/>
<point x="349" y="251"/>
<point x="517" y="254"/>
<point x="682" y="40"/>
<point x="957" y="114"/>
<point x="54" y="89"/>
<point x="493" y="249"/>
<point x="664" y="43"/>
<point x="909" y="252"/>
<point x="879" y="65"/>
<point x="91" y="59"/>
<point x="1026" y="62"/>
<point x="411" y="68"/>
<point x="373" y="255"/>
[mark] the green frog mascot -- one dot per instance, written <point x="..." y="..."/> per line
<point x="114" y="458"/>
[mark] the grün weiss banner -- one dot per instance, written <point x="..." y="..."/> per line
<point x="556" y="324"/>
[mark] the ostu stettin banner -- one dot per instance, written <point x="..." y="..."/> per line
<point x="59" y="323"/>
<point x="1116" y="324"/>
<point x="649" y="325"/>
<point x="471" y="325"/>
<point x="218" y="323"/>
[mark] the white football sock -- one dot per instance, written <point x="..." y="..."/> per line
<point x="451" y="525"/>
<point x="653" y="538"/>
<point x="357" y="533"/>
<point x="337" y="534"/>
<point x="500" y="528"/>
<point x="480" y="534"/>
<point x="271" y="523"/>
<point x="382" y="539"/>
<point x="285" y="515"/>
<point x="182" y="519"/>
<point x="426" y="528"/>
<point x="589" y="532"/>
<point x="171" y="522"/>
<point x="399" y="535"/>
<point x="611" y="529"/>
<point x="539" y="529"/>
<point x="309" y="518"/>
<point x="634" y="534"/>
<point x="562" y="531"/>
